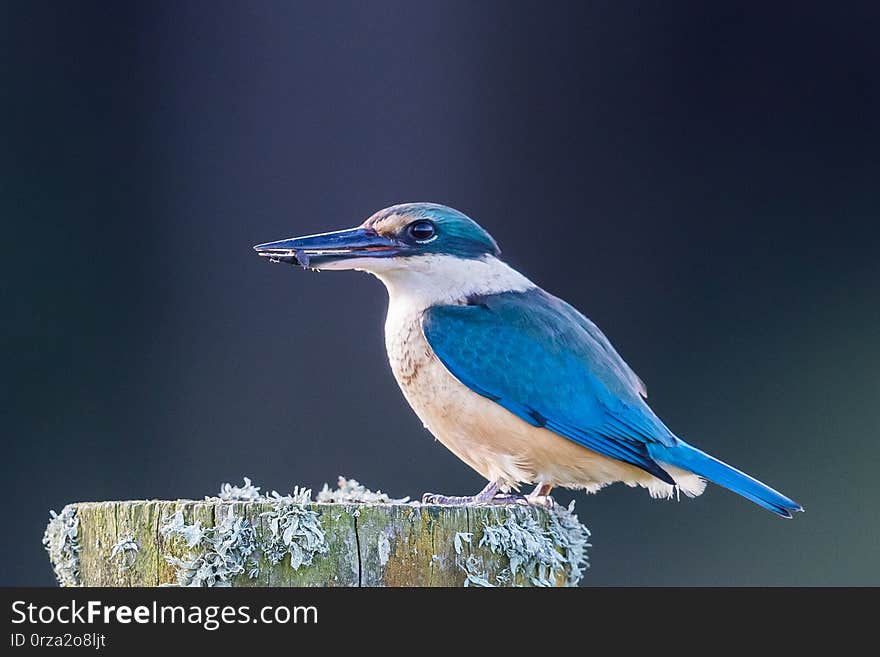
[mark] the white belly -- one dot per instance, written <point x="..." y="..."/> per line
<point x="488" y="437"/>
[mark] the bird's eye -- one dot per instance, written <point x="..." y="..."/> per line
<point x="422" y="231"/>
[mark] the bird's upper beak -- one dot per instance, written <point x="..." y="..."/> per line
<point x="316" y="250"/>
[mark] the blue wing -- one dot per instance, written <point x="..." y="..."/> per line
<point x="542" y="360"/>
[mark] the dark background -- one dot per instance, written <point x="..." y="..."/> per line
<point x="701" y="180"/>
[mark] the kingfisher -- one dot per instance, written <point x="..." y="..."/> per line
<point x="514" y="381"/>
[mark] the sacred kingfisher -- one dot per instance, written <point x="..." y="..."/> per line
<point x="514" y="381"/>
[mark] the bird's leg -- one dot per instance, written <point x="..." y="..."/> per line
<point x="484" y="496"/>
<point x="541" y="495"/>
<point x="509" y="498"/>
<point x="491" y="495"/>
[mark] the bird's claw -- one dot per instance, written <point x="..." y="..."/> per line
<point x="508" y="498"/>
<point x="499" y="499"/>
<point x="525" y="500"/>
<point x="541" y="500"/>
<point x="446" y="500"/>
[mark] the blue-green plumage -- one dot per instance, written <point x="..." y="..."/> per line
<point x="456" y="234"/>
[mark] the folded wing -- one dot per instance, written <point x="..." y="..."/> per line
<point x="541" y="359"/>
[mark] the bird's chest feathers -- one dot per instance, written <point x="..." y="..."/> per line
<point x="426" y="282"/>
<point x="467" y="423"/>
<point x="434" y="394"/>
<point x="412" y="361"/>
<point x="459" y="418"/>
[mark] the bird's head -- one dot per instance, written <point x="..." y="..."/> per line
<point x="393" y="238"/>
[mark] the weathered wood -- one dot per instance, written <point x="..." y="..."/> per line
<point x="269" y="542"/>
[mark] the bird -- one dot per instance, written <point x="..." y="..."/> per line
<point x="517" y="383"/>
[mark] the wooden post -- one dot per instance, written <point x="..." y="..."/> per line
<point x="282" y="542"/>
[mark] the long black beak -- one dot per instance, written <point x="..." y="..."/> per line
<point x="315" y="250"/>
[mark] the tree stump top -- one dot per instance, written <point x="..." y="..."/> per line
<point x="346" y="538"/>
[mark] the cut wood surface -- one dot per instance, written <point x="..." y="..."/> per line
<point x="281" y="542"/>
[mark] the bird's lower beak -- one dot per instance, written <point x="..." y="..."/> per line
<point x="316" y="250"/>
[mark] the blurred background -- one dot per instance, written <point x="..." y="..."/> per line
<point x="700" y="179"/>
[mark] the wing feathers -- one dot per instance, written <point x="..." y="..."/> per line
<point x="545" y="362"/>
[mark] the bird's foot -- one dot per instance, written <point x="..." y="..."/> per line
<point x="524" y="500"/>
<point x="434" y="498"/>
<point x="490" y="495"/>
<point x="500" y="498"/>
<point x="541" y="496"/>
<point x="484" y="496"/>
<point x="541" y="500"/>
<point x="509" y="498"/>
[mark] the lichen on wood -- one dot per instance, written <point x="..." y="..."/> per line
<point x="214" y="555"/>
<point x="246" y="493"/>
<point x="539" y="550"/>
<point x="350" y="537"/>
<point x="350" y="491"/>
<point x="61" y="540"/>
<point x="125" y="551"/>
<point x="294" y="530"/>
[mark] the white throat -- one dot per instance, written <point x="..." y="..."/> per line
<point x="429" y="280"/>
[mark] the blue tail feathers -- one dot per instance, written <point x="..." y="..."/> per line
<point x="690" y="458"/>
